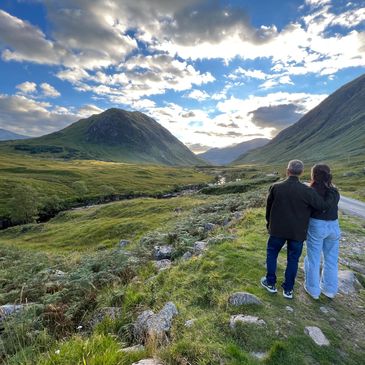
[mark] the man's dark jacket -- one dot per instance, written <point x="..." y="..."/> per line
<point x="289" y="207"/>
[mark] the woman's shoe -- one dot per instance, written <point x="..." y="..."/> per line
<point x="328" y="295"/>
<point x="312" y="296"/>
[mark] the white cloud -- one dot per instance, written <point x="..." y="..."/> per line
<point x="27" y="87"/>
<point x="199" y="95"/>
<point x="49" y="91"/>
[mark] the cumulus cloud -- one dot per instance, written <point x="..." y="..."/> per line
<point x="49" y="91"/>
<point x="198" y="95"/>
<point x="27" y="87"/>
<point x="198" y="147"/>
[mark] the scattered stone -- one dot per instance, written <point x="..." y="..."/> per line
<point x="9" y="309"/>
<point x="123" y="243"/>
<point x="162" y="252"/>
<point x="316" y="335"/>
<point x="347" y="282"/>
<point x="324" y="310"/>
<point x="102" y="313"/>
<point x="190" y="323"/>
<point x="163" y="264"/>
<point x="237" y="215"/>
<point x="153" y="325"/>
<point x="333" y="320"/>
<point x="147" y="362"/>
<point x="289" y="309"/>
<point x="187" y="255"/>
<point x="199" y="247"/>
<point x="259" y="355"/>
<point x="209" y="227"/>
<point x="243" y="298"/>
<point x="135" y="348"/>
<point x="178" y="210"/>
<point x="240" y="318"/>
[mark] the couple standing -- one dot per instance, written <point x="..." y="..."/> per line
<point x="296" y="212"/>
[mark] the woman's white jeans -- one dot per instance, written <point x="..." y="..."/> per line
<point x="322" y="240"/>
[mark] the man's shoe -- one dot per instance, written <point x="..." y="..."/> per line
<point x="270" y="288"/>
<point x="312" y="296"/>
<point x="288" y="294"/>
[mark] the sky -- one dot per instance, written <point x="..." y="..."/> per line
<point x="214" y="73"/>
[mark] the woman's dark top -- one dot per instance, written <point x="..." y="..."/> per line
<point x="330" y="214"/>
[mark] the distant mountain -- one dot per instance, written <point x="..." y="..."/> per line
<point x="333" y="130"/>
<point x="7" y="135"/>
<point x="223" y="156"/>
<point x="114" y="135"/>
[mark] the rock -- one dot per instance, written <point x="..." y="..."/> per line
<point x="316" y="335"/>
<point x="237" y="215"/>
<point x="259" y="355"/>
<point x="153" y="325"/>
<point x="324" y="310"/>
<point x="189" y="323"/>
<point x="147" y="362"/>
<point x="347" y="282"/>
<point x="9" y="309"/>
<point x="178" y="210"/>
<point x="240" y="318"/>
<point x="162" y="264"/>
<point x="199" y="247"/>
<point x="209" y="227"/>
<point x="333" y="320"/>
<point x="187" y="255"/>
<point x="243" y="298"/>
<point x="135" y="348"/>
<point x="162" y="252"/>
<point x="289" y="309"/>
<point x="123" y="243"/>
<point x="102" y="313"/>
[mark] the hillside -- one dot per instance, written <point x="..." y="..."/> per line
<point x="6" y="135"/>
<point x="223" y="156"/>
<point x="333" y="130"/>
<point x="114" y="135"/>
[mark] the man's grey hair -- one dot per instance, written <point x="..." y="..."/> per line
<point x="295" y="167"/>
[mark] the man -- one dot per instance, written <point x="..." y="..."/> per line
<point x="288" y="209"/>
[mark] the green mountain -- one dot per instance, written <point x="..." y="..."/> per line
<point x="6" y="135"/>
<point x="333" y="130"/>
<point x="223" y="156"/>
<point x="114" y="135"/>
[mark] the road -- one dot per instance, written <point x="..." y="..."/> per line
<point x="352" y="207"/>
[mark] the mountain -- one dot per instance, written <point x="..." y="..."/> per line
<point x="333" y="130"/>
<point x="7" y="135"/>
<point x="223" y="156"/>
<point x="114" y="135"/>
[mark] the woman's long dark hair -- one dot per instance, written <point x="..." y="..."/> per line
<point x="321" y="178"/>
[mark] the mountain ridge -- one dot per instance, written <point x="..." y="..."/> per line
<point x="6" y="135"/>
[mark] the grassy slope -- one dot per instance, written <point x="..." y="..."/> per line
<point x="51" y="177"/>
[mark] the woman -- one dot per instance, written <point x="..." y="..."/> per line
<point x="323" y="238"/>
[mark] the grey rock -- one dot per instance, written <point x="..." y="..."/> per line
<point x="9" y="309"/>
<point x="243" y="298"/>
<point x="199" y="247"/>
<point x="123" y="243"/>
<point x="162" y="252"/>
<point x="289" y="309"/>
<point x="209" y="227"/>
<point x="102" y="313"/>
<point x="149" y="324"/>
<point x="237" y="215"/>
<point x="316" y="335"/>
<point x="189" y="323"/>
<point x="347" y="282"/>
<point x="259" y="355"/>
<point x="187" y="255"/>
<point x="241" y="318"/>
<point x="324" y="310"/>
<point x="333" y="320"/>
<point x="135" y="348"/>
<point x="162" y="264"/>
<point x="147" y="362"/>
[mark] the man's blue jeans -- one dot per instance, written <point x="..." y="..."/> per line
<point x="294" y="250"/>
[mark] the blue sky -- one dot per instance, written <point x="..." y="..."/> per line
<point x="214" y="73"/>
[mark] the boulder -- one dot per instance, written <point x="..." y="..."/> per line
<point x="151" y="325"/>
<point x="241" y="318"/>
<point x="189" y="323"/>
<point x="199" y="247"/>
<point x="347" y="282"/>
<point x="135" y="348"/>
<point x="9" y="309"/>
<point x="147" y="362"/>
<point x="162" y="264"/>
<point x="209" y="227"/>
<point x="102" y="313"/>
<point x="316" y="335"/>
<point x="162" y="252"/>
<point x="243" y="298"/>
<point x="187" y="255"/>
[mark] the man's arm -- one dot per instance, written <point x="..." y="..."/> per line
<point x="318" y="202"/>
<point x="269" y="201"/>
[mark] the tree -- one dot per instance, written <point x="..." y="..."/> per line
<point x="24" y="205"/>
<point x="80" y="187"/>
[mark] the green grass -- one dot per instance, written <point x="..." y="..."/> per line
<point x="51" y="178"/>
